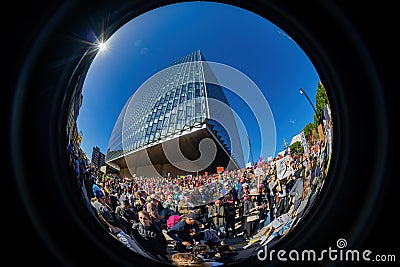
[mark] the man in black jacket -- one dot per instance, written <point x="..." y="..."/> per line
<point x="184" y="232"/>
<point x="150" y="238"/>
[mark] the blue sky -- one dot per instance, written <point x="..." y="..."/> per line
<point x="224" y="34"/>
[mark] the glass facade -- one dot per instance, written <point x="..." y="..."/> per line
<point x="173" y="101"/>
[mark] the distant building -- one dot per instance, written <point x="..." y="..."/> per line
<point x="296" y="138"/>
<point x="98" y="158"/>
<point x="73" y="136"/>
<point x="108" y="169"/>
<point x="178" y="107"/>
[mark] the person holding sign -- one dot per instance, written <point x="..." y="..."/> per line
<point x="283" y="168"/>
<point x="250" y="214"/>
<point x="282" y="203"/>
<point x="271" y="193"/>
<point x="297" y="189"/>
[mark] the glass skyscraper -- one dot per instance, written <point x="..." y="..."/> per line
<point x="177" y="102"/>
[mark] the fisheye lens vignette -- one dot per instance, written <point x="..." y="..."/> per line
<point x="226" y="206"/>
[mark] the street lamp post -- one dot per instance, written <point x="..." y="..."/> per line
<point x="312" y="105"/>
<point x="251" y="153"/>
<point x="316" y="114"/>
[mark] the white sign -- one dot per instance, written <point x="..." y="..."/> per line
<point x="248" y="165"/>
<point x="258" y="172"/>
<point x="283" y="169"/>
<point x="304" y="143"/>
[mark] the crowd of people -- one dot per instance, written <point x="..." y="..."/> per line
<point x="197" y="214"/>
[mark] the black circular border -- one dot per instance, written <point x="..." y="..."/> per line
<point x="359" y="178"/>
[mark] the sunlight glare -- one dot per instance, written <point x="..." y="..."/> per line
<point x="102" y="46"/>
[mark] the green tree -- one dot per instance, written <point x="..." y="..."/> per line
<point x="296" y="148"/>
<point x="321" y="98"/>
<point x="308" y="131"/>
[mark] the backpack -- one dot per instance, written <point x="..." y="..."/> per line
<point x="172" y="220"/>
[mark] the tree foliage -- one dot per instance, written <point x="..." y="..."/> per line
<point x="296" y="148"/>
<point x="308" y="129"/>
<point x="321" y="98"/>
